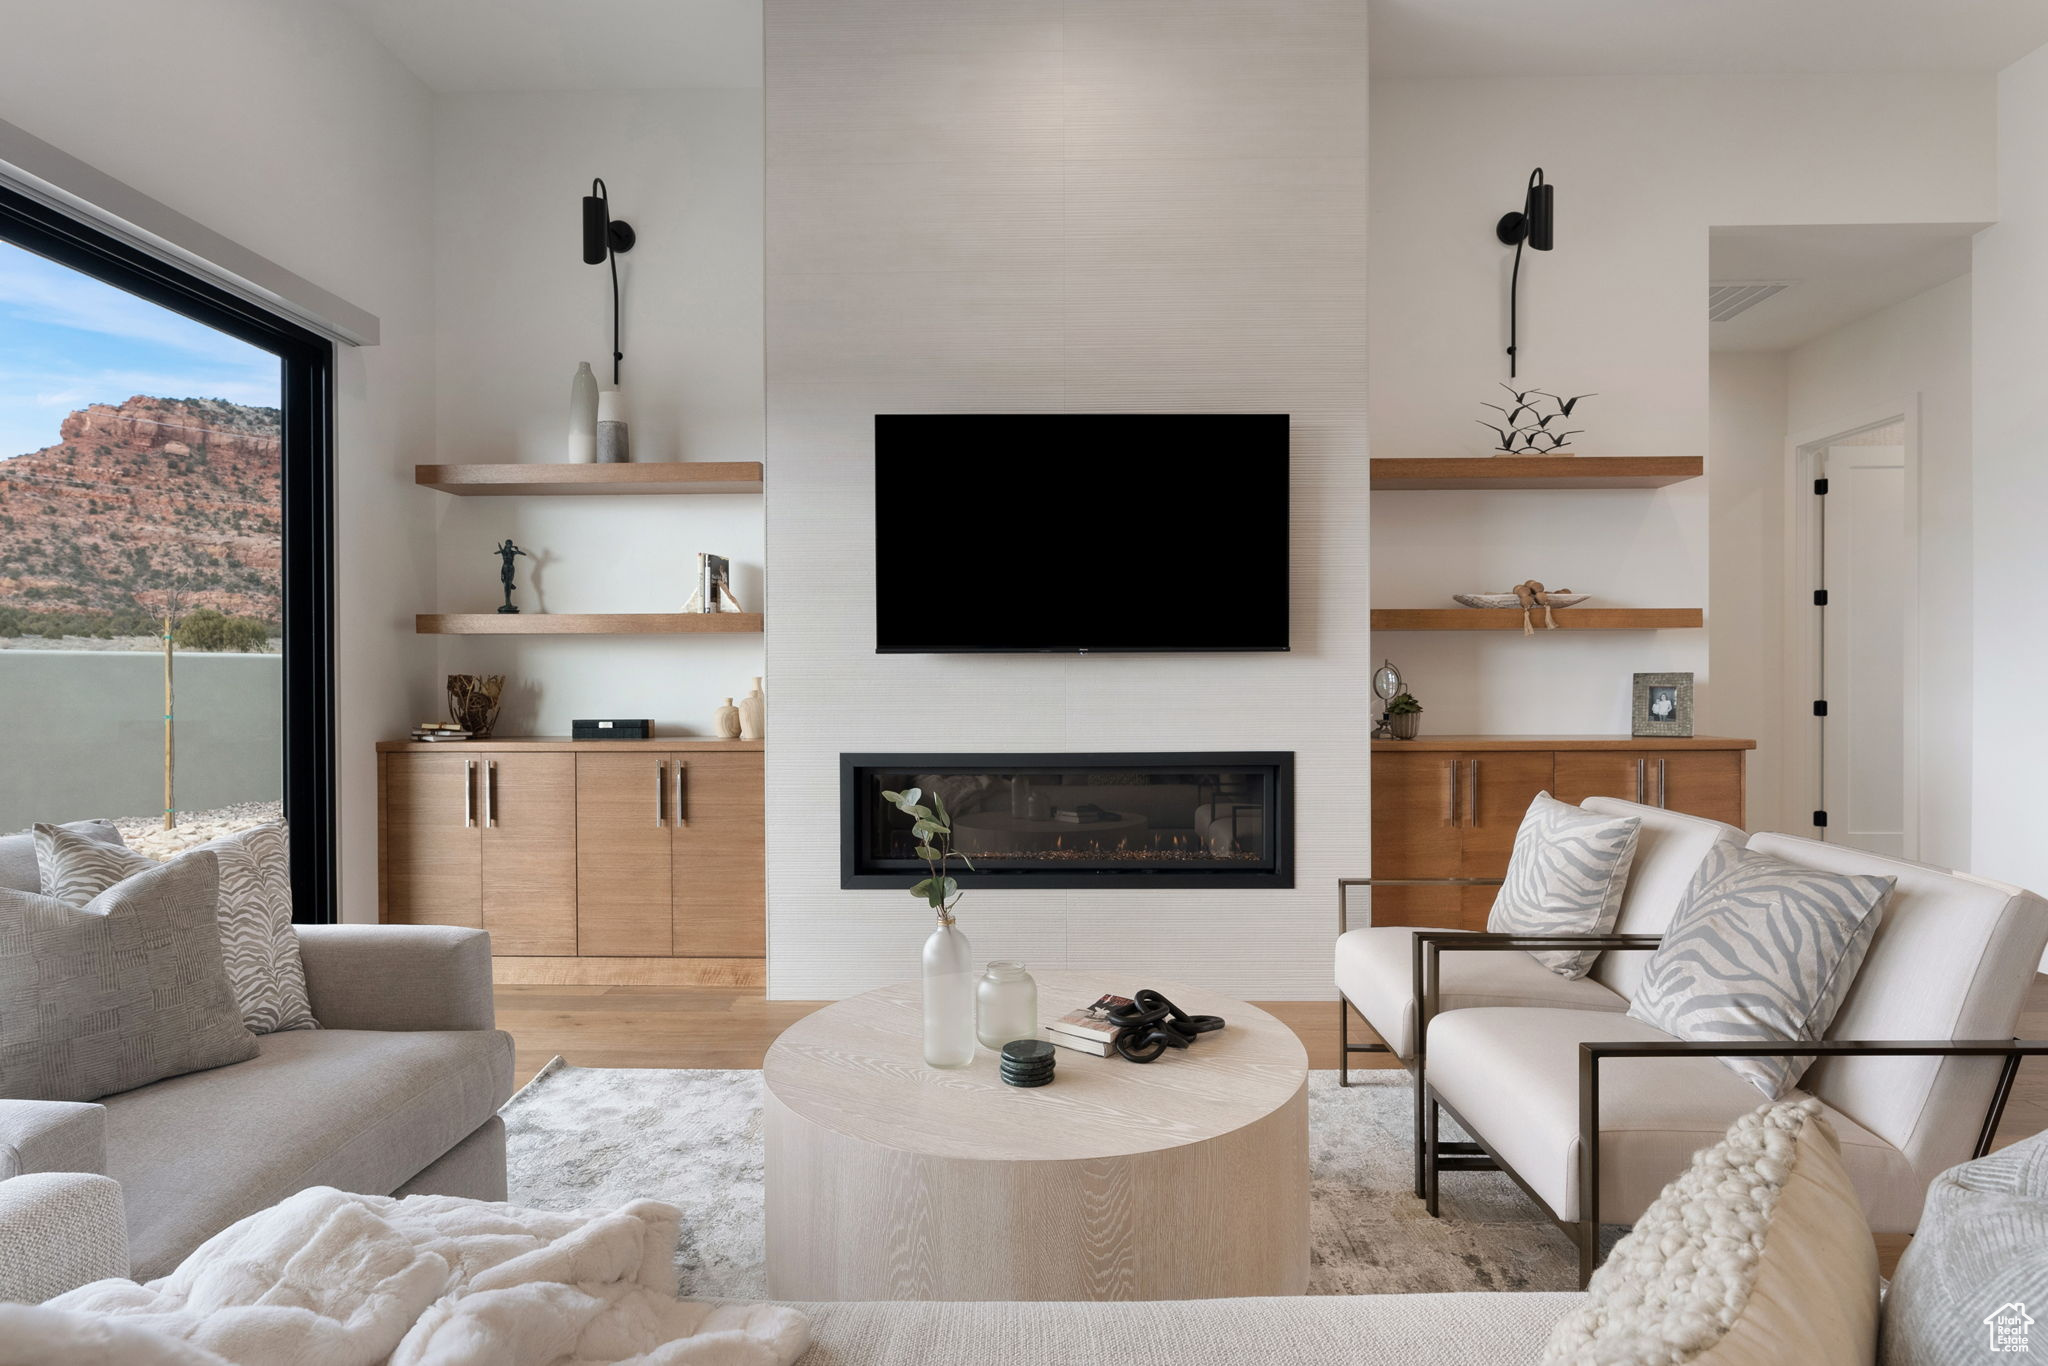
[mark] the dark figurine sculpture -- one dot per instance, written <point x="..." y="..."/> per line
<point x="506" y="552"/>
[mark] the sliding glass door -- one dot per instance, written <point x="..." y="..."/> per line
<point x="165" y="550"/>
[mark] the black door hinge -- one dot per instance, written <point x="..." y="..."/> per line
<point x="1820" y="597"/>
<point x="1820" y="707"/>
<point x="1820" y="486"/>
<point x="1820" y="819"/>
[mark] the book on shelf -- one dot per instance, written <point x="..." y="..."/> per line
<point x="1100" y="1048"/>
<point x="1089" y="1022"/>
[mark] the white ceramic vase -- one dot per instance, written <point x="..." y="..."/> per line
<point x="583" y="416"/>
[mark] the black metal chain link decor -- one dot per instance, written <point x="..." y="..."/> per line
<point x="1151" y="1024"/>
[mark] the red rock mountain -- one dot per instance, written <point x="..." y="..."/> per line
<point x="154" y="494"/>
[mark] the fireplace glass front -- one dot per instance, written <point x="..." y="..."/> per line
<point x="1078" y="820"/>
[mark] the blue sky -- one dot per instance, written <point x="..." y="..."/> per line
<point x="66" y="340"/>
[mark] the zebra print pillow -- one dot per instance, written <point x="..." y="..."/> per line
<point x="256" y="936"/>
<point x="1566" y="877"/>
<point x="1760" y="949"/>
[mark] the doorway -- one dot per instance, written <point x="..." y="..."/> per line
<point x="1861" y="637"/>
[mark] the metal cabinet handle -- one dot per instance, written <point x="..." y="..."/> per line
<point x="1641" y="791"/>
<point x="469" y="794"/>
<point x="1660" y="783"/>
<point x="660" y="794"/>
<point x="682" y="795"/>
<point x="1472" y="798"/>
<point x="1451" y="797"/>
<point x="491" y="792"/>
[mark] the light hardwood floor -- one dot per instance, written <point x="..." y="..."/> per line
<point x="726" y="1026"/>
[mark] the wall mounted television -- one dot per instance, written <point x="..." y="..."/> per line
<point x="1064" y="533"/>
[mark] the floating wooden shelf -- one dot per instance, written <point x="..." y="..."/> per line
<point x="562" y="744"/>
<point x="1468" y="744"/>
<point x="587" y="623"/>
<point x="729" y="476"/>
<point x="1508" y="619"/>
<point x="1537" y="472"/>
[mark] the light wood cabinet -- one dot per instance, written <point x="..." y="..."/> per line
<point x="527" y="832"/>
<point x="1450" y="807"/>
<point x="1446" y="814"/>
<point x="432" y="860"/>
<point x="622" y="856"/>
<point x="483" y="840"/>
<point x="611" y="849"/>
<point x="717" y="865"/>
<point x="1700" y="783"/>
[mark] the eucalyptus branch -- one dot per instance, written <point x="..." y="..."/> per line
<point x="933" y="827"/>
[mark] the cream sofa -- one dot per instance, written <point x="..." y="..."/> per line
<point x="397" y="1092"/>
<point x="1914" y="1072"/>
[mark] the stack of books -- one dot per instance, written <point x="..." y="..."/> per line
<point x="1085" y="814"/>
<point x="1086" y="1030"/>
<point x="439" y="730"/>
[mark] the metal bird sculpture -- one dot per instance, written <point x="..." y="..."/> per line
<point x="1564" y="405"/>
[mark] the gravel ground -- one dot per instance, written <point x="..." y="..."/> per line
<point x="146" y="834"/>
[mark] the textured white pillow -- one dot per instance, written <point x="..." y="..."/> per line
<point x="1567" y="875"/>
<point x="1760" y="949"/>
<point x="1757" y="1255"/>
<point x="257" y="941"/>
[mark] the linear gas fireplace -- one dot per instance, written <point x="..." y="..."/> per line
<point x="1077" y="820"/>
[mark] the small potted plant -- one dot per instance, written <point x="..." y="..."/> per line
<point x="1404" y="716"/>
<point x="948" y="967"/>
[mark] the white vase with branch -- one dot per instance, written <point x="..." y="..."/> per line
<point x="948" y="965"/>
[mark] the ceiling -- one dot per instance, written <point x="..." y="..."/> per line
<point x="469" y="45"/>
<point x="1842" y="272"/>
<point x="1699" y="37"/>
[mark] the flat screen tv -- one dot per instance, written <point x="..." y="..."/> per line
<point x="1078" y="533"/>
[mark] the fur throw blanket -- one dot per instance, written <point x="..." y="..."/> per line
<point x="332" y="1279"/>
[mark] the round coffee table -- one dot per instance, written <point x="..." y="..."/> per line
<point x="888" y="1180"/>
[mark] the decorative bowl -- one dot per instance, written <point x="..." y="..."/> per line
<point x="1510" y="600"/>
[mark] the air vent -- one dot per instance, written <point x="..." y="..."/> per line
<point x="1726" y="298"/>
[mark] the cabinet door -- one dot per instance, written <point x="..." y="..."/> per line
<point x="1627" y="774"/>
<point x="1493" y="795"/>
<point x="1699" y="782"/>
<point x="1416" y="825"/>
<point x="718" y="856"/>
<point x="528" y="817"/>
<point x="432" y="860"/>
<point x="622" y="855"/>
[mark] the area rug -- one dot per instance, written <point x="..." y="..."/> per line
<point x="583" y="1136"/>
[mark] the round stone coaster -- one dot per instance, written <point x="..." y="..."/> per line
<point x="1045" y="1080"/>
<point x="1028" y="1051"/>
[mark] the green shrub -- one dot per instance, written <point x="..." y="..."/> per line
<point x="206" y="629"/>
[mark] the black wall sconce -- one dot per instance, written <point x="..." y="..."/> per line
<point x="1530" y="226"/>
<point x="603" y="238"/>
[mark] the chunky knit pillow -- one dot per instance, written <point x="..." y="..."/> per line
<point x="1757" y="1255"/>
<point x="1569" y="869"/>
<point x="256" y="936"/>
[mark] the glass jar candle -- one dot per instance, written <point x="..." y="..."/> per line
<point x="1005" y="1005"/>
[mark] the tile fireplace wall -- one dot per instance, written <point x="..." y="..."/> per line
<point x="1142" y="207"/>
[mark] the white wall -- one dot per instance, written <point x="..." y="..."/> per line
<point x="1911" y="359"/>
<point x="1916" y="355"/>
<point x="282" y="125"/>
<point x="518" y="309"/>
<point x="1643" y="167"/>
<point x="2009" y="481"/>
<point x="1746" y="494"/>
<point x="1139" y="207"/>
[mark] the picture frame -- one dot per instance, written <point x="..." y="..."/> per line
<point x="1663" y="705"/>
